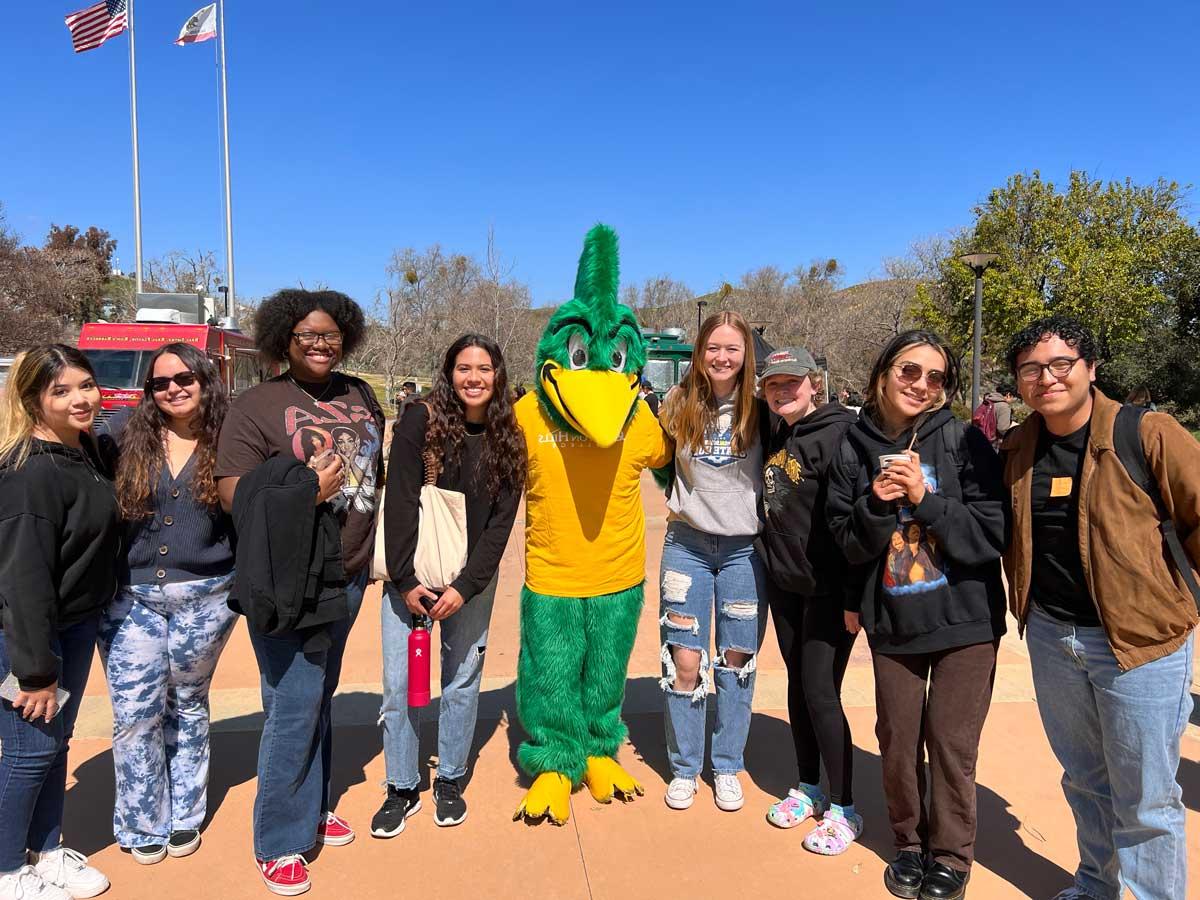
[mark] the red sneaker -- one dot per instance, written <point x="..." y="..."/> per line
<point x="334" y="831"/>
<point x="287" y="875"/>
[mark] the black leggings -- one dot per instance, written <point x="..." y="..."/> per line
<point x="816" y="648"/>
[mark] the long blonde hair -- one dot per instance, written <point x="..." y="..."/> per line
<point x="689" y="409"/>
<point x="21" y="401"/>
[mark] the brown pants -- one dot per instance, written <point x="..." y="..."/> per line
<point x="947" y="722"/>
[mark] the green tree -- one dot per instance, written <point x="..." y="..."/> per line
<point x="1120" y="256"/>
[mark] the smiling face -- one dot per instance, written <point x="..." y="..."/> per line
<point x="789" y="396"/>
<point x="473" y="379"/>
<point x="907" y="391"/>
<point x="181" y="403"/>
<point x="1065" y="401"/>
<point x="68" y="406"/>
<point x="724" y="358"/>
<point x="315" y="363"/>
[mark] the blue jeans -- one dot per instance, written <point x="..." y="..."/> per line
<point x="699" y="572"/>
<point x="1116" y="735"/>
<point x="160" y="645"/>
<point x="295" y="755"/>
<point x="33" y="763"/>
<point x="464" y="640"/>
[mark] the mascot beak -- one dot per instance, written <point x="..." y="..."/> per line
<point x="597" y="404"/>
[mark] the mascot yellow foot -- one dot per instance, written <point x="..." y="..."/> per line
<point x="605" y="778"/>
<point x="549" y="797"/>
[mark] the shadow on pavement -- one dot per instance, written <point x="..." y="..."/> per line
<point x="770" y="763"/>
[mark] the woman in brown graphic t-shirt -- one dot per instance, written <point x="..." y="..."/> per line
<point x="333" y="423"/>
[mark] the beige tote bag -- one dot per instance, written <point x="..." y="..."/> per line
<point x="441" y="550"/>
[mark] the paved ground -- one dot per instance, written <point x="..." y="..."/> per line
<point x="639" y="850"/>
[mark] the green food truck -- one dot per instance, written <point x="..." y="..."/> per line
<point x="668" y="356"/>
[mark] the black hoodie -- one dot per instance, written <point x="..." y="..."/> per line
<point x="61" y="535"/>
<point x="798" y="548"/>
<point x="930" y="574"/>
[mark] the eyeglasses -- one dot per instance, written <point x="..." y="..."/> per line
<point x="910" y="373"/>
<point x="183" y="379"/>
<point x="1059" y="367"/>
<point x="310" y="338"/>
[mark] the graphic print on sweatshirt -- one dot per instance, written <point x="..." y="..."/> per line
<point x="718" y="446"/>
<point x="782" y="473"/>
<point x="350" y="431"/>
<point x="915" y="564"/>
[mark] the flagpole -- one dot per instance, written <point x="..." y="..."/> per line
<point x="230" y="297"/>
<point x="137" y="176"/>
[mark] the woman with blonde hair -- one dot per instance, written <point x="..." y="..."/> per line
<point x="59" y="529"/>
<point x="709" y="559"/>
<point x="931" y="603"/>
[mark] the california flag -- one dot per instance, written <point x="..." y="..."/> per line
<point x="202" y="26"/>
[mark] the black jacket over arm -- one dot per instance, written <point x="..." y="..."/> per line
<point x="289" y="574"/>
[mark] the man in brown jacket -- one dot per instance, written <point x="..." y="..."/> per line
<point x="1108" y="617"/>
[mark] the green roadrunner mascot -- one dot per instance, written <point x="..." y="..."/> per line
<point x="588" y="436"/>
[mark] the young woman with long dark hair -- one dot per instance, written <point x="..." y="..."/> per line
<point x="61" y="537"/>
<point x="467" y="433"/>
<point x="271" y="428"/>
<point x="808" y="571"/>
<point x="917" y="504"/>
<point x="709" y="559"/>
<point x="161" y="638"/>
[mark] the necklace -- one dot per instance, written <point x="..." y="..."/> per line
<point x="324" y="393"/>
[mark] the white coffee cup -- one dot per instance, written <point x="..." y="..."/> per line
<point x="888" y="458"/>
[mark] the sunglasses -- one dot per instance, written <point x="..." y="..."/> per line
<point x="910" y="373"/>
<point x="183" y="379"/>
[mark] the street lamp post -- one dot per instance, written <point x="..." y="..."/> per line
<point x="977" y="263"/>
<point x="700" y="304"/>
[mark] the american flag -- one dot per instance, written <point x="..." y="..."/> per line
<point x="93" y="26"/>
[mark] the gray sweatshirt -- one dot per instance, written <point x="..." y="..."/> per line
<point x="716" y="491"/>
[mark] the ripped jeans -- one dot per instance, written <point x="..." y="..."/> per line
<point x="464" y="639"/>
<point x="699" y="572"/>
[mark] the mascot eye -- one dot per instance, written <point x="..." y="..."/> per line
<point x="577" y="351"/>
<point x="620" y="350"/>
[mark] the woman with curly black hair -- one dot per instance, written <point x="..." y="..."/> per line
<point x="294" y="417"/>
<point x="161" y="637"/>
<point x="467" y="434"/>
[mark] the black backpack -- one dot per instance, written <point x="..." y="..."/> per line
<point x="1127" y="441"/>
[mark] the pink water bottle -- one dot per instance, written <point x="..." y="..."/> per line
<point x="418" y="662"/>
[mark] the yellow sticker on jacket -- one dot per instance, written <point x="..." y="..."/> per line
<point x="1060" y="487"/>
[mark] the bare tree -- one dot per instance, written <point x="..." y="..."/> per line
<point x="180" y="272"/>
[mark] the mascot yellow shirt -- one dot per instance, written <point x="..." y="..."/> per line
<point x="585" y="532"/>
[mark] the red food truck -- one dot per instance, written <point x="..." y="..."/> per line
<point x="120" y="354"/>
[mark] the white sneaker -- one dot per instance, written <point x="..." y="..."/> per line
<point x="681" y="792"/>
<point x="727" y="791"/>
<point x="69" y="870"/>
<point x="27" y="884"/>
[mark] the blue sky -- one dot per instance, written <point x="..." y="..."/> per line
<point x="714" y="137"/>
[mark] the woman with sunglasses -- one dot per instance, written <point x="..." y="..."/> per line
<point x="917" y="504"/>
<point x="317" y="415"/>
<point x="161" y="638"/>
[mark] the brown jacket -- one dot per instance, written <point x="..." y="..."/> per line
<point x="1145" y="606"/>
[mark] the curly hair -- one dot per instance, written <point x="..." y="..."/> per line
<point x="891" y="352"/>
<point x="278" y="314"/>
<point x="143" y="443"/>
<point x="503" y="455"/>
<point x="1074" y="334"/>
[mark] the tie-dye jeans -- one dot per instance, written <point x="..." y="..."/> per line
<point x="160" y="646"/>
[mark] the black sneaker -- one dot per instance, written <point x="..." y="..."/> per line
<point x="399" y="805"/>
<point x="451" y="807"/>
<point x="148" y="854"/>
<point x="183" y="843"/>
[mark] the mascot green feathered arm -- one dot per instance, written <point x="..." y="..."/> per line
<point x="588" y="437"/>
